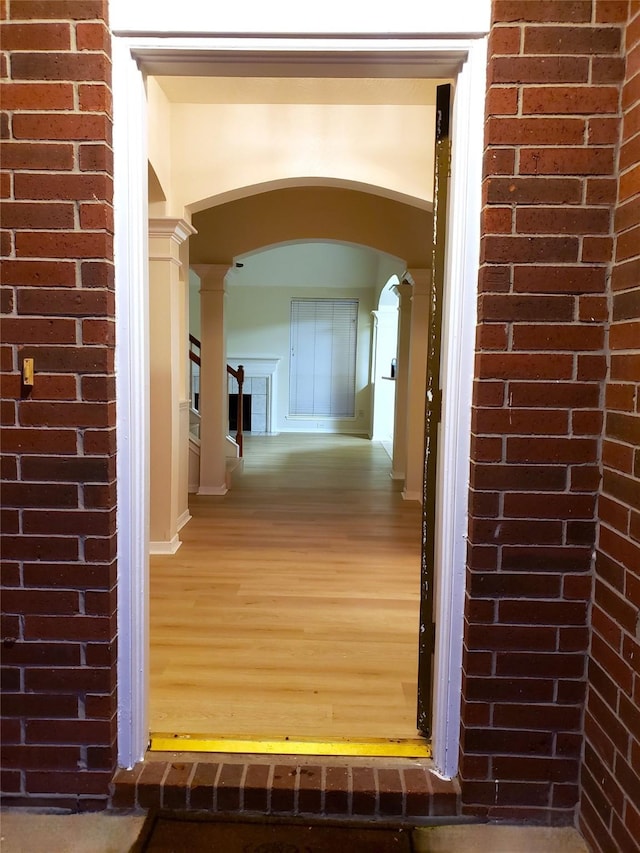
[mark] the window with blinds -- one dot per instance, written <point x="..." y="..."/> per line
<point x="323" y="357"/>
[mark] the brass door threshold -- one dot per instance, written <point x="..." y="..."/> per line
<point x="372" y="747"/>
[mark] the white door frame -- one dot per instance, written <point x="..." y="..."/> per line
<point x="461" y="58"/>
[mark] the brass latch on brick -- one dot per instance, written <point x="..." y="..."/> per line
<point x="27" y="372"/>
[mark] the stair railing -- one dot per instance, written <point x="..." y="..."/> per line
<point x="194" y="344"/>
<point x="238" y="375"/>
<point x="194" y="372"/>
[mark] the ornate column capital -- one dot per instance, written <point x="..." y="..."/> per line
<point x="168" y="226"/>
<point x="166" y="235"/>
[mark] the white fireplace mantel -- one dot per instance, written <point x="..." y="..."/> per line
<point x="258" y="368"/>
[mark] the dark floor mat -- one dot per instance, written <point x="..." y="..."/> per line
<point x="171" y="835"/>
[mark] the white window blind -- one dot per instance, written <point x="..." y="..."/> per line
<point x="323" y="357"/>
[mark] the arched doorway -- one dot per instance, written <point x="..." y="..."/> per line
<point x="321" y="269"/>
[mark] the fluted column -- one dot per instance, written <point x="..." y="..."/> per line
<point x="166" y="339"/>
<point x="213" y="379"/>
<point x="414" y="475"/>
<point x="398" y="471"/>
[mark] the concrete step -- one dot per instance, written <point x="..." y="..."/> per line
<point x="23" y="830"/>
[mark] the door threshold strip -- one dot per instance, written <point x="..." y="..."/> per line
<point x="366" y="747"/>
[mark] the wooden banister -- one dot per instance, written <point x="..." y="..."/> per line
<point x="238" y="375"/>
<point x="194" y="342"/>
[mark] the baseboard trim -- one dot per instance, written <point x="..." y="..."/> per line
<point x="185" y="518"/>
<point x="213" y="490"/>
<point x="166" y="547"/>
<point x="411" y="496"/>
<point x="324" y="431"/>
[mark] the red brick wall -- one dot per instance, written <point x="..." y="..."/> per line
<point x="610" y="806"/>
<point x="551" y="137"/>
<point x="58" y="442"/>
<point x="548" y="236"/>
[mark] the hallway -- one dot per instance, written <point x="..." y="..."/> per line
<point x="291" y="608"/>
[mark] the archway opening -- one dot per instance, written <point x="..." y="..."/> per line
<point x="364" y="639"/>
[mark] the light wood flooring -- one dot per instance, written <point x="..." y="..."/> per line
<point x="291" y="608"/>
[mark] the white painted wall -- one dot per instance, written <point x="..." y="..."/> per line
<point x="258" y="326"/>
<point x="194" y="305"/>
<point x="257" y="312"/>
<point x="385" y="350"/>
<point x="314" y="263"/>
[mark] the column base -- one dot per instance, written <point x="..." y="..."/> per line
<point x="213" y="490"/>
<point x="411" y="496"/>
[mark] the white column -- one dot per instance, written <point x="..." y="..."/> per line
<point x="184" y="515"/>
<point x="166" y="339"/>
<point x="398" y="470"/>
<point x="213" y="379"/>
<point x="414" y="474"/>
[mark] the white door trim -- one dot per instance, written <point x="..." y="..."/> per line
<point x="463" y="58"/>
<point x="132" y="395"/>
<point x="457" y="366"/>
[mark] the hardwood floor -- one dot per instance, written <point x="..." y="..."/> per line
<point x="291" y="608"/>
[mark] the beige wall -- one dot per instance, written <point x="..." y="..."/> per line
<point x="306" y="213"/>
<point x="348" y="160"/>
<point x="219" y="148"/>
<point x="159" y="148"/>
<point x="222" y="136"/>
